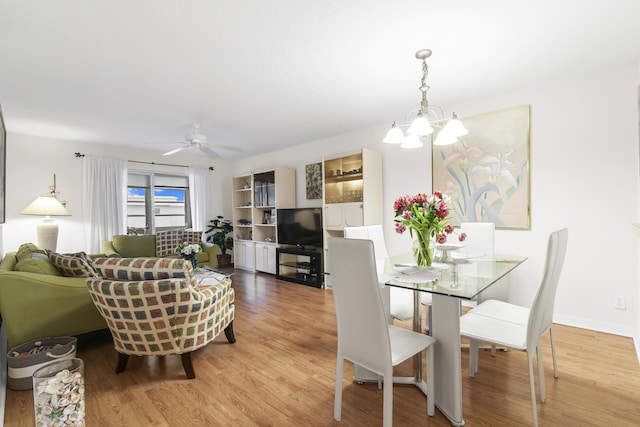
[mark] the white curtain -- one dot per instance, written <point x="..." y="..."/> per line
<point x="199" y="196"/>
<point x="104" y="199"/>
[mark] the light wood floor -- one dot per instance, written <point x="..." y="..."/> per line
<point x="280" y="372"/>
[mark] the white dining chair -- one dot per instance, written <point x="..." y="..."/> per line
<point x="517" y="327"/>
<point x="399" y="302"/>
<point x="364" y="336"/>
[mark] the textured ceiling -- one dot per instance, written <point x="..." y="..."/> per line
<point x="262" y="75"/>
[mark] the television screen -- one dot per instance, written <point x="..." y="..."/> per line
<point x="300" y="227"/>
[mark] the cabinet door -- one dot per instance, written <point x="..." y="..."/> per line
<point x="271" y="259"/>
<point x="333" y="216"/>
<point x="353" y="214"/>
<point x="261" y="257"/>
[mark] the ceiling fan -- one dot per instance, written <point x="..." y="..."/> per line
<point x="197" y="140"/>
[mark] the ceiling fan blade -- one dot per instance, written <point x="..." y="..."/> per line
<point x="209" y="152"/>
<point x="228" y="147"/>
<point x="174" y="151"/>
<point x="164" y="142"/>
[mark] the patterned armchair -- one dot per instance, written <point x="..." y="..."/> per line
<point x="155" y="306"/>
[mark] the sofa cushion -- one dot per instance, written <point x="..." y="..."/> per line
<point x="135" y="246"/>
<point x="72" y="265"/>
<point x="136" y="269"/>
<point x="37" y="265"/>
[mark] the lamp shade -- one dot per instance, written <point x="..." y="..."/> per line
<point x="445" y="138"/>
<point x="420" y="126"/>
<point x="455" y="127"/>
<point x="412" y="141"/>
<point x="395" y="135"/>
<point x="45" y="206"/>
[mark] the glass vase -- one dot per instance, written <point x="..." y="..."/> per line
<point x="422" y="247"/>
<point x="192" y="258"/>
<point x="58" y="392"/>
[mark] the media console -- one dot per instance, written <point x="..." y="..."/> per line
<point x="299" y="266"/>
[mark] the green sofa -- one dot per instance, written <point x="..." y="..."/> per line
<point x="38" y="302"/>
<point x="162" y="244"/>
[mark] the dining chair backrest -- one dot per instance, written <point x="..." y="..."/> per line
<point x="480" y="238"/>
<point x="363" y="336"/>
<point x="374" y="233"/>
<point x="541" y="313"/>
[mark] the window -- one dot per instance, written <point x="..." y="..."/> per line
<point x="157" y="202"/>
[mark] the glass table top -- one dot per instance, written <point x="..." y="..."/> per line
<point x="461" y="278"/>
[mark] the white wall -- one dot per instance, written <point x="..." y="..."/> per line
<point x="584" y="176"/>
<point x="32" y="161"/>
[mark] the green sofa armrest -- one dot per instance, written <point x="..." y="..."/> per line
<point x="36" y="305"/>
<point x="212" y="251"/>
<point x="109" y="250"/>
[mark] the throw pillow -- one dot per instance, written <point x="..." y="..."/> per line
<point x="37" y="265"/>
<point x="26" y="251"/>
<point x="72" y="265"/>
<point x="136" y="269"/>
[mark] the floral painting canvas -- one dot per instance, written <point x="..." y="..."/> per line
<point x="313" y="175"/>
<point x="486" y="173"/>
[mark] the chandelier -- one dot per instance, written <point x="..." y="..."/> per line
<point x="449" y="129"/>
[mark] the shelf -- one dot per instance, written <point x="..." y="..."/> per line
<point x="343" y="178"/>
<point x="244" y="207"/>
<point x="244" y="189"/>
<point x="265" y="225"/>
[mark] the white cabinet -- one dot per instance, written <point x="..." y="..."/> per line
<point x="256" y="196"/>
<point x="341" y="215"/>
<point x="266" y="257"/>
<point x="243" y="253"/>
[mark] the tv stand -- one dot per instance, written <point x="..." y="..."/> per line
<point x="299" y="266"/>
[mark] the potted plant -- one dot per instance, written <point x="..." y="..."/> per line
<point x="220" y="229"/>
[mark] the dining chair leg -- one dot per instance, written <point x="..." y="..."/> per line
<point x="553" y="352"/>
<point x="337" y="403"/>
<point x="540" y="370"/>
<point x="387" y="410"/>
<point x="533" y="390"/>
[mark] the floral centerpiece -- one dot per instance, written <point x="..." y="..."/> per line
<point x="427" y="218"/>
<point x="188" y="252"/>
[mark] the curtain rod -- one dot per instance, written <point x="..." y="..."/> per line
<point x="150" y="163"/>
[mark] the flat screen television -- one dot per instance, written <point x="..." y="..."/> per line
<point x="301" y="227"/>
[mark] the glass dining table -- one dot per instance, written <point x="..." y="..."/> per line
<point x="458" y="279"/>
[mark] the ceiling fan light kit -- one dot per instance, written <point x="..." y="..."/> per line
<point x="449" y="129"/>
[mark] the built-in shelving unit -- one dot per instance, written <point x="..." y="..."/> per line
<point x="352" y="196"/>
<point x="256" y="197"/>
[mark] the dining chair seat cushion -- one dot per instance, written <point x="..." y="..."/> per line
<point x="494" y="330"/>
<point x="503" y="311"/>
<point x="406" y="343"/>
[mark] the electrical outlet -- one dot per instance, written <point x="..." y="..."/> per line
<point x="619" y="302"/>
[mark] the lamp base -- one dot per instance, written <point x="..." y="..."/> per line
<point x="47" y="232"/>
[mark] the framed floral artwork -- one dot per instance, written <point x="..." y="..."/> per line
<point x="313" y="174"/>
<point x="486" y="173"/>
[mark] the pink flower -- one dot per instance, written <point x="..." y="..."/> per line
<point x="420" y="199"/>
<point x="437" y="194"/>
<point x="407" y="214"/>
<point x="448" y="229"/>
<point x="442" y="238"/>
<point x="400" y="228"/>
<point x="462" y="237"/>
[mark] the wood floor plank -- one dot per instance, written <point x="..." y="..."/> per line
<point x="281" y="372"/>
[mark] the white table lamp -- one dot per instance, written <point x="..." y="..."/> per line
<point x="47" y="206"/>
